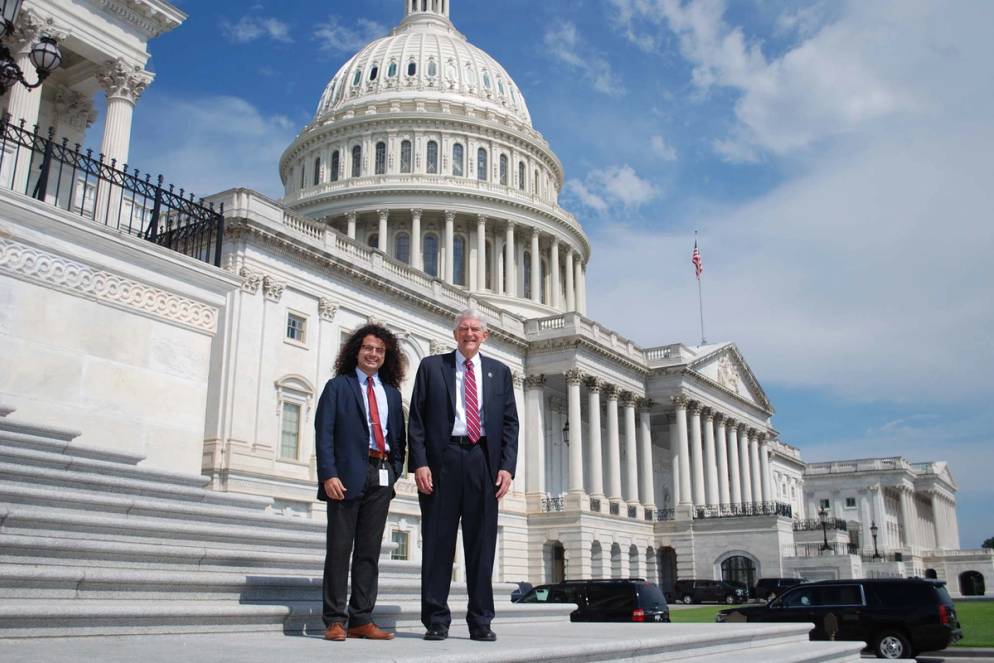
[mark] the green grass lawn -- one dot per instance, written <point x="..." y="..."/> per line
<point x="976" y="618"/>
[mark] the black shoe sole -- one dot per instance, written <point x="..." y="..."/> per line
<point x="436" y="636"/>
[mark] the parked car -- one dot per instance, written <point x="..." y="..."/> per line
<point x="896" y="617"/>
<point x="695" y="590"/>
<point x="768" y="589"/>
<point x="618" y="600"/>
<point x="519" y="592"/>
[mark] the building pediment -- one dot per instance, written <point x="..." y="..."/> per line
<point x="724" y="365"/>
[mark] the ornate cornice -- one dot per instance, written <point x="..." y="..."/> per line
<point x="121" y="80"/>
<point x="143" y="15"/>
<point x="55" y="271"/>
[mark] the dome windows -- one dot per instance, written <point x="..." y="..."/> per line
<point x="521" y="175"/>
<point x="412" y="68"/>
<point x="432" y="159"/>
<point x="470" y="74"/>
<point x="432" y="68"/>
<point x="457" y="160"/>
<point x="481" y="165"/>
<point x="335" y="163"/>
<point x="503" y="169"/>
<point x="357" y="78"/>
<point x="500" y="87"/>
<point x="405" y="156"/>
<point x="374" y="72"/>
<point x="381" y="158"/>
<point x="486" y="80"/>
<point x="357" y="161"/>
<point x="450" y="71"/>
<point x="392" y="69"/>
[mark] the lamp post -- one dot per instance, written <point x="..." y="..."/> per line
<point x="566" y="433"/>
<point x="873" y="532"/>
<point x="45" y="55"/>
<point x="823" y="517"/>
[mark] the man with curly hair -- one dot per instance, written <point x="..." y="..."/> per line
<point x="361" y="444"/>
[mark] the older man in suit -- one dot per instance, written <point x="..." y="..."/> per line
<point x="463" y="433"/>
<point x="360" y="451"/>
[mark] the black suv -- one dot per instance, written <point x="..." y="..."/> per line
<point x="628" y="600"/>
<point x="896" y="617"/>
<point x="768" y="589"/>
<point x="699" y="591"/>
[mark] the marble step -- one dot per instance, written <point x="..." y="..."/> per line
<point x="40" y="618"/>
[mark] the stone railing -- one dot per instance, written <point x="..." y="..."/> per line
<point x="575" y="324"/>
<point x="859" y="465"/>
<point x="815" y="524"/>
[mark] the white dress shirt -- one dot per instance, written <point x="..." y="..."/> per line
<point x="459" y="425"/>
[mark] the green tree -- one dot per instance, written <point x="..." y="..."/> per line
<point x="989" y="543"/>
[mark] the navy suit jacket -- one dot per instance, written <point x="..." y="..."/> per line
<point x="342" y="434"/>
<point x="433" y="413"/>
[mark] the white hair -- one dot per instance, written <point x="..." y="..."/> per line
<point x="470" y="314"/>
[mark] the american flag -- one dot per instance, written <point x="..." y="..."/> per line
<point x="696" y="259"/>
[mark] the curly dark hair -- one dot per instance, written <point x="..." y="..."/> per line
<point x="394" y="364"/>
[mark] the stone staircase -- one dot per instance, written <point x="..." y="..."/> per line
<point x="92" y="543"/>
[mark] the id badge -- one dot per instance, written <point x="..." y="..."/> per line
<point x="384" y="477"/>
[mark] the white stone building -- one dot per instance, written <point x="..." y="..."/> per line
<point x="420" y="188"/>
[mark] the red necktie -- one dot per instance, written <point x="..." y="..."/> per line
<point x="374" y="416"/>
<point x="472" y="404"/>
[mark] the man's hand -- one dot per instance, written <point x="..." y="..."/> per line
<point x="503" y="483"/>
<point x="422" y="477"/>
<point x="334" y="489"/>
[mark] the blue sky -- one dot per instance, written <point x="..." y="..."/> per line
<point x="834" y="157"/>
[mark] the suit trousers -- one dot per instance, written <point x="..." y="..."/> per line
<point x="355" y="528"/>
<point x="463" y="490"/>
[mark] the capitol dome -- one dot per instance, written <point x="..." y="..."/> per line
<point x="424" y="56"/>
<point x="422" y="148"/>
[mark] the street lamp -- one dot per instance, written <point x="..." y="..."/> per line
<point x="873" y="531"/>
<point x="823" y="517"/>
<point x="566" y="433"/>
<point x="45" y="55"/>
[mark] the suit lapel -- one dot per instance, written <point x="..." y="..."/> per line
<point x="489" y="390"/>
<point x="361" y="404"/>
<point x="449" y="374"/>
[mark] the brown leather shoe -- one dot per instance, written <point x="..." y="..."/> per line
<point x="335" y="632"/>
<point x="370" y="631"/>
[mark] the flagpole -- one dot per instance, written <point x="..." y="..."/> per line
<point x="699" y="269"/>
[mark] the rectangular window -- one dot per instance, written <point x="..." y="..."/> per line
<point x="290" y="431"/>
<point x="824" y="504"/>
<point x="850" y="502"/>
<point x="401" y="539"/>
<point x="296" y="328"/>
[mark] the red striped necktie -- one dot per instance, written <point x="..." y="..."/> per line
<point x="374" y="416"/>
<point x="472" y="404"/>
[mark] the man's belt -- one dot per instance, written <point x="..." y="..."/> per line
<point x="378" y="455"/>
<point x="464" y="441"/>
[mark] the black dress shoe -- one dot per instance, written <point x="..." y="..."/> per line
<point x="436" y="632"/>
<point x="482" y="634"/>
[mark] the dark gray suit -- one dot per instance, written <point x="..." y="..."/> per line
<point x="464" y="480"/>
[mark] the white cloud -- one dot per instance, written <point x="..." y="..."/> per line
<point x="339" y="38"/>
<point x="662" y="149"/>
<point x="223" y="142"/>
<point x="563" y="42"/>
<point x="614" y="184"/>
<point x="250" y="28"/>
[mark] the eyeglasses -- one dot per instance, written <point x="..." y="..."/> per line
<point x="372" y="349"/>
<point x="463" y="329"/>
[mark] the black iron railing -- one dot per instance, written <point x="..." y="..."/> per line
<point x="595" y="505"/>
<point x="615" y="509"/>
<point x="550" y="504"/>
<point x="818" y="549"/>
<point x="665" y="514"/>
<point x="119" y="198"/>
<point x="812" y="524"/>
<point x="633" y="512"/>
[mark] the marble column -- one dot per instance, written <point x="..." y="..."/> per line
<point x="757" y="491"/>
<point x="450" y="253"/>
<point x="536" y="270"/>
<point x="907" y="518"/>
<point x="735" y="474"/>
<point x="582" y="274"/>
<point x="674" y="459"/>
<point x="578" y="284"/>
<point x="938" y="521"/>
<point x="745" y="464"/>
<point x="764" y="469"/>
<point x="535" y="456"/>
<point x="510" y="268"/>
<point x="22" y="103"/>
<point x="555" y="300"/>
<point x="680" y="403"/>
<point x="573" y="379"/>
<point x="631" y="451"/>
<point x="721" y="445"/>
<point x="710" y="460"/>
<point x="647" y="491"/>
<point x="351" y="218"/>
<point x="884" y="543"/>
<point x="613" y="445"/>
<point x="415" y="238"/>
<point x="570" y="285"/>
<point x="481" y="252"/>
<point x="697" y="453"/>
<point x="381" y="236"/>
<point x="594" y="436"/>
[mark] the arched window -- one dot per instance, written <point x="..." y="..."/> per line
<point x="429" y="253"/>
<point x="335" y="163"/>
<point x="459" y="260"/>
<point x="357" y="77"/>
<point x="521" y="175"/>
<point x="405" y="156"/>
<point x="373" y="240"/>
<point x="457" y="157"/>
<point x="374" y="72"/>
<point x="402" y="247"/>
<point x="432" y="69"/>
<point x="392" y="70"/>
<point x="740" y="569"/>
<point x="381" y="158"/>
<point x="486" y="79"/>
<point x="526" y="267"/>
<point x="357" y="161"/>
<point x="412" y="68"/>
<point x="317" y="171"/>
<point x="481" y="164"/>
<point x="535" y="187"/>
<point x="432" y="157"/>
<point x="503" y="169"/>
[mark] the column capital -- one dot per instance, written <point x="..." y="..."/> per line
<point x="752" y="433"/>
<point x="680" y="401"/>
<point x="510" y="224"/>
<point x="383" y="214"/>
<point x="121" y="80"/>
<point x="272" y="288"/>
<point x="30" y="26"/>
<point x="708" y="413"/>
<point x="742" y="429"/>
<point x="481" y="218"/>
<point x="644" y="404"/>
<point x="593" y="384"/>
<point x="74" y="108"/>
<point x="574" y="376"/>
<point x="327" y="309"/>
<point x="417" y="212"/>
<point x="695" y="407"/>
<point x="518" y="378"/>
<point x="628" y="399"/>
<point x="352" y="215"/>
<point x="720" y="418"/>
<point x="612" y="391"/>
<point x="535" y="381"/>
<point x="450" y="216"/>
